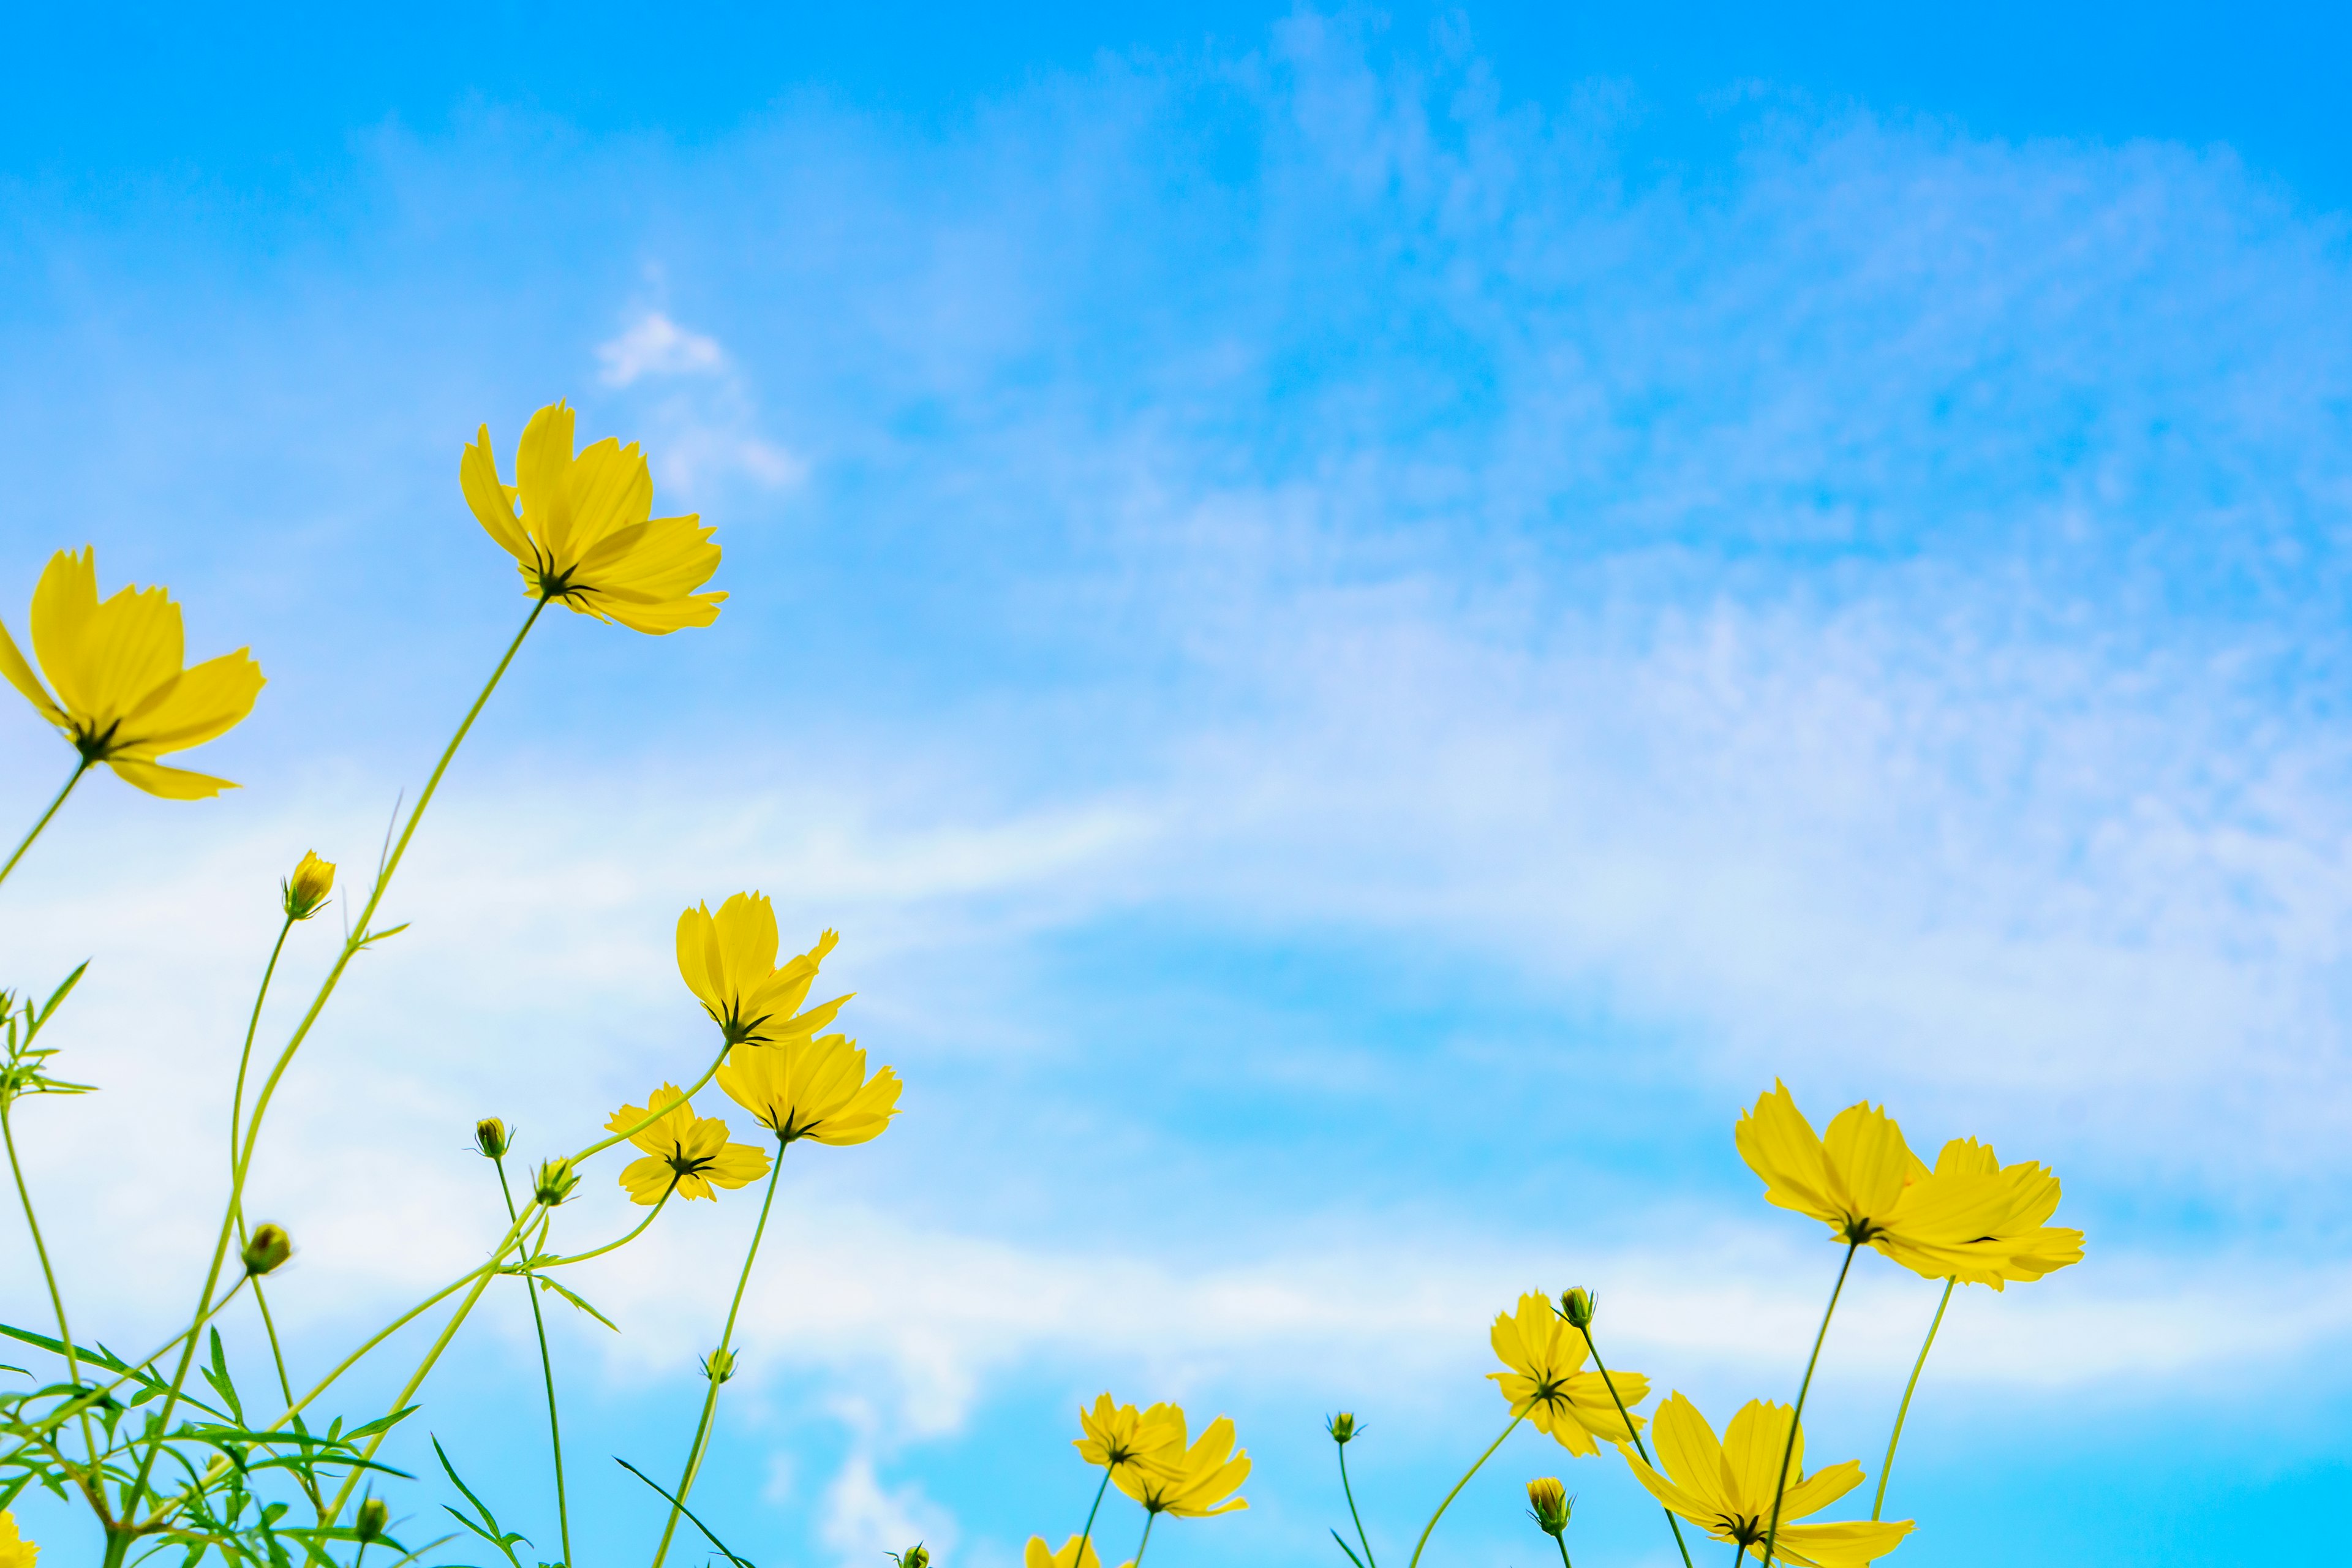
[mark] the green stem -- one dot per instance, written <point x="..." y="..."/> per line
<point x="50" y="1276"/>
<point x="1905" y="1408"/>
<point x="718" y="1361"/>
<point x="1080" y="1560"/>
<point x="1459" y="1485"/>
<point x="245" y="1058"/>
<point x="1151" y="1518"/>
<point x="358" y="939"/>
<point x="1627" y="1417"/>
<point x="1788" y="1448"/>
<point x="81" y="768"/>
<point x="408" y="1391"/>
<point x="1361" y="1538"/>
<point x="1560" y="1541"/>
<point x="547" y="1368"/>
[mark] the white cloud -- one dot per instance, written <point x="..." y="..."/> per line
<point x="655" y="345"/>
<point x="707" y="429"/>
<point x="864" y="1519"/>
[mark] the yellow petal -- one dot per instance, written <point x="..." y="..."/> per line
<point x="477" y="476"/>
<point x="20" y="675"/>
<point x="171" y="784"/>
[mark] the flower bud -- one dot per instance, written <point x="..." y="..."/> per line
<point x="374" y="1517"/>
<point x="553" y="1183"/>
<point x="1341" y="1426"/>
<point x="305" y="893"/>
<point x="1547" y="1502"/>
<point x="492" y="1138"/>
<point x="719" y="1366"/>
<point x="913" y="1557"/>
<point x="1576" y="1306"/>
<point x="266" y="1249"/>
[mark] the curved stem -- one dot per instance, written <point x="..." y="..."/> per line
<point x="547" y="1368"/>
<point x="408" y="1391"/>
<point x="1150" y="1517"/>
<point x="1560" y="1541"/>
<point x="718" y="1365"/>
<point x="245" y="1058"/>
<point x="49" y="1278"/>
<point x="1361" y="1538"/>
<point x="1903" y="1410"/>
<point x="1627" y="1417"/>
<point x="1459" y="1485"/>
<point x="546" y="1263"/>
<point x="1080" y="1560"/>
<point x="1788" y="1448"/>
<point x="81" y="768"/>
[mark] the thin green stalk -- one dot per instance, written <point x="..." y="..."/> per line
<point x="1627" y="1417"/>
<point x="1151" y="1518"/>
<point x="408" y="1389"/>
<point x="1459" y="1485"/>
<point x="244" y="1058"/>
<point x="1905" y="1408"/>
<point x="1560" y="1541"/>
<point x="1781" y="1490"/>
<point x="49" y="1278"/>
<point x="546" y="1367"/>
<point x="718" y="1363"/>
<point x="81" y="767"/>
<point x="1361" y="1538"/>
<point x="1087" y="1533"/>
<point x="359" y="939"/>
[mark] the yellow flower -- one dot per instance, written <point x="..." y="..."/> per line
<point x="1196" y="1482"/>
<point x="587" y="534"/>
<point x="15" y="1551"/>
<point x="1077" y="1551"/>
<point x="682" y="1148"/>
<point x="812" y="1088"/>
<point x="1727" y="1488"/>
<point x="1547" y="1504"/>
<point x="1970" y="1218"/>
<point x="728" y="962"/>
<point x="122" y="697"/>
<point x="305" y="893"/>
<point x="1119" y="1438"/>
<point x="1545" y="1382"/>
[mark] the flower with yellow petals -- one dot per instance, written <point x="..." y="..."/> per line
<point x="1197" y="1481"/>
<point x="1119" y="1438"/>
<point x="1970" y="1218"/>
<point x="15" y="1551"/>
<point x="812" y="1088"/>
<point x="685" y="1151"/>
<point x="585" y="532"/>
<point x="304" y="894"/>
<point x="1077" y="1551"/>
<point x="122" y="696"/>
<point x="728" y="962"/>
<point x="1547" y="1384"/>
<point x="1727" y="1488"/>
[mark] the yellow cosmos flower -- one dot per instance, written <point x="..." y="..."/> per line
<point x="728" y="962"/>
<point x="122" y="697"/>
<point x="1545" y="1382"/>
<point x="1970" y="1218"/>
<point x="812" y="1088"/>
<point x="15" y="1551"/>
<point x="1727" y="1488"/>
<point x="683" y="1148"/>
<point x="1119" y="1436"/>
<point x="1077" y="1553"/>
<point x="1196" y="1482"/>
<point x="587" y="534"/>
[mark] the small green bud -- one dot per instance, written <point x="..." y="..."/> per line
<point x="1547" y="1505"/>
<point x="1577" y="1307"/>
<point x="719" y="1366"/>
<point x="374" y="1516"/>
<point x="553" y="1183"/>
<point x="913" y="1557"/>
<point x="492" y="1138"/>
<point x="304" y="894"/>
<point x="266" y="1249"/>
<point x="1341" y="1426"/>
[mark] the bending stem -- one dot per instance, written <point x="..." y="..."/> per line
<point x="1084" y="1535"/>
<point x="1781" y="1490"/>
<point x="546" y="1367"/>
<point x="81" y="768"/>
<point x="1905" y="1408"/>
<point x="1459" y="1485"/>
<point x="1625" y="1415"/>
<point x="1361" y="1538"/>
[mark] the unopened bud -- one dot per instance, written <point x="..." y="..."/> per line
<point x="913" y="1557"/>
<point x="374" y="1517"/>
<point x="719" y="1366"/>
<point x="490" y="1137"/>
<point x="1576" y="1306"/>
<point x="553" y="1183"/>
<point x="305" y="893"/>
<point x="1548" y="1502"/>
<point x="1341" y="1426"/>
<point x="266" y="1249"/>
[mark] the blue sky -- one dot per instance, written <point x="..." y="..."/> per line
<point x="1367" y="622"/>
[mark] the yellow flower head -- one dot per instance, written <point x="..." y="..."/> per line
<point x="587" y="534"/>
<point x="812" y="1088"/>
<point x="122" y="697"/>
<point x="1725" y="1488"/>
<point x="1970" y="1218"/>
<point x="1077" y="1553"/>
<point x="1545" y="1382"/>
<point x="1118" y="1438"/>
<point x="681" y="1148"/>
<point x="305" y="893"/>
<point x="15" y="1551"/>
<point x="728" y="962"/>
<point x="1196" y="1482"/>
<point x="1547" y="1504"/>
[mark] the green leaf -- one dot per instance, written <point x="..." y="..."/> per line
<point x="575" y="1298"/>
<point x="681" y="1507"/>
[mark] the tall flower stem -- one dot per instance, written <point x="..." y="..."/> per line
<point x="57" y="1297"/>
<point x="1464" y="1481"/>
<point x="1788" y="1448"/>
<point x="1349" y="1492"/>
<point x="81" y="768"/>
<point x="235" y="1117"/>
<point x="1558" y="1540"/>
<point x="1087" y="1533"/>
<point x="408" y="1389"/>
<point x="1904" y="1409"/>
<point x="360" y="938"/>
<point x="1151" y="1518"/>
<point x="1627" y="1417"/>
<point x="719" y="1368"/>
<point x="547" y="1368"/>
